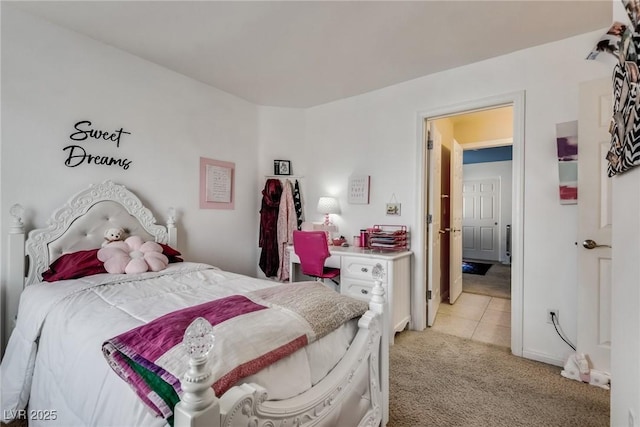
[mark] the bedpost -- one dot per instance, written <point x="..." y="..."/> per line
<point x="379" y="305"/>
<point x="171" y="228"/>
<point x="199" y="405"/>
<point x="15" y="269"/>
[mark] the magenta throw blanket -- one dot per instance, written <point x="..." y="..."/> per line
<point x="251" y="330"/>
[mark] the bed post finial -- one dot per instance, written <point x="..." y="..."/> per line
<point x="171" y="227"/>
<point x="17" y="226"/>
<point x="198" y="405"/>
<point x="377" y="300"/>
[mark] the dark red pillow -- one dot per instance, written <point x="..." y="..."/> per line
<point x="74" y="265"/>
<point x="172" y="254"/>
<point x="86" y="263"/>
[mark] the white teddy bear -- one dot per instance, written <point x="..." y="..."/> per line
<point x="113" y="235"/>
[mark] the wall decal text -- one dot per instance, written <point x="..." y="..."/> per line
<point x="77" y="155"/>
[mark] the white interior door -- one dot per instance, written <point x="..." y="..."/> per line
<point x="455" y="223"/>
<point x="481" y="218"/>
<point x="434" y="162"/>
<point x="594" y="223"/>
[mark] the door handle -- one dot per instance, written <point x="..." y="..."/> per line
<point x="591" y="244"/>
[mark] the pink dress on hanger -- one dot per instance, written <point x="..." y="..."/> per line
<point x="287" y="222"/>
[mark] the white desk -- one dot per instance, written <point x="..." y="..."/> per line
<point x="356" y="265"/>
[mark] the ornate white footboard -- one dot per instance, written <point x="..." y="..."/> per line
<point x="354" y="393"/>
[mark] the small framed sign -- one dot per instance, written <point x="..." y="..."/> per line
<point x="282" y="167"/>
<point x="359" y="189"/>
<point x="393" y="209"/>
<point x="216" y="184"/>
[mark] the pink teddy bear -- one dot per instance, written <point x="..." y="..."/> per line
<point x="132" y="255"/>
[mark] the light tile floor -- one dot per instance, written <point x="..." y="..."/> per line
<point x="478" y="317"/>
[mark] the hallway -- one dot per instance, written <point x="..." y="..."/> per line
<point x="477" y="317"/>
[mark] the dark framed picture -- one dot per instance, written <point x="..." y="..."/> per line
<point x="282" y="167"/>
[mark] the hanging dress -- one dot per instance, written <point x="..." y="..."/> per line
<point x="268" y="239"/>
<point x="297" y="202"/>
<point x="287" y="222"/>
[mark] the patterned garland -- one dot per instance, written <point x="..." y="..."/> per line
<point x="624" y="153"/>
<point x="625" y="126"/>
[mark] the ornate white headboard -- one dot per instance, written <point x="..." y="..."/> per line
<point x="80" y="224"/>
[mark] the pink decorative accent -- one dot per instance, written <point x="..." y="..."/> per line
<point x="326" y="206"/>
<point x="287" y="224"/>
<point x="217" y="182"/>
<point x="312" y="249"/>
<point x="132" y="256"/>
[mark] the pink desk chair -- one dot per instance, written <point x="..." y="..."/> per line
<point x="312" y="249"/>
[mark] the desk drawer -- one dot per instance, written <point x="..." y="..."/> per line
<point x="354" y="288"/>
<point x="361" y="268"/>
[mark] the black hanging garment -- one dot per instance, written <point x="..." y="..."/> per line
<point x="297" y="203"/>
<point x="268" y="239"/>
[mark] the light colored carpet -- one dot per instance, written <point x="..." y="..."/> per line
<point x="495" y="283"/>
<point x="443" y="380"/>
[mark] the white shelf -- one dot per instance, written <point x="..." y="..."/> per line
<point x="284" y="176"/>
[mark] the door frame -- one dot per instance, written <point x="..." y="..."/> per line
<point x="433" y="239"/>
<point x="418" y="304"/>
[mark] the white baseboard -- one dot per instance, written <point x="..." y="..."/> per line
<point x="541" y="357"/>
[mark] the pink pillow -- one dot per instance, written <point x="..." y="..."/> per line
<point x="132" y="256"/>
<point x="74" y="265"/>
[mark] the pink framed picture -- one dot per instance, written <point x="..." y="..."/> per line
<point x="217" y="182"/>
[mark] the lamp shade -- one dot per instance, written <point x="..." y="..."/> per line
<point x="328" y="205"/>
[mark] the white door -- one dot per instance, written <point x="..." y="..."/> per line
<point x="434" y="160"/>
<point x="480" y="230"/>
<point x="455" y="236"/>
<point x="594" y="223"/>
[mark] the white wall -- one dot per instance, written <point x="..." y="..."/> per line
<point x="52" y="78"/>
<point x="378" y="134"/>
<point x="501" y="170"/>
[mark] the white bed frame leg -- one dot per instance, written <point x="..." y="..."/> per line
<point x="199" y="406"/>
<point x="378" y="304"/>
<point x="15" y="270"/>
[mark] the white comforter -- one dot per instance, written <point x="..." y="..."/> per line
<point x="54" y="356"/>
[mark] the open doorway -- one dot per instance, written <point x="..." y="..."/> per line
<point x="482" y="312"/>
<point x="497" y="241"/>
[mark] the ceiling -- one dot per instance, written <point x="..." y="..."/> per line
<point x="306" y="53"/>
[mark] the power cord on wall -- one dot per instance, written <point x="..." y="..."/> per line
<point x="553" y="320"/>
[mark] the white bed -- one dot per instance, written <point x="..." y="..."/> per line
<point x="340" y="379"/>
